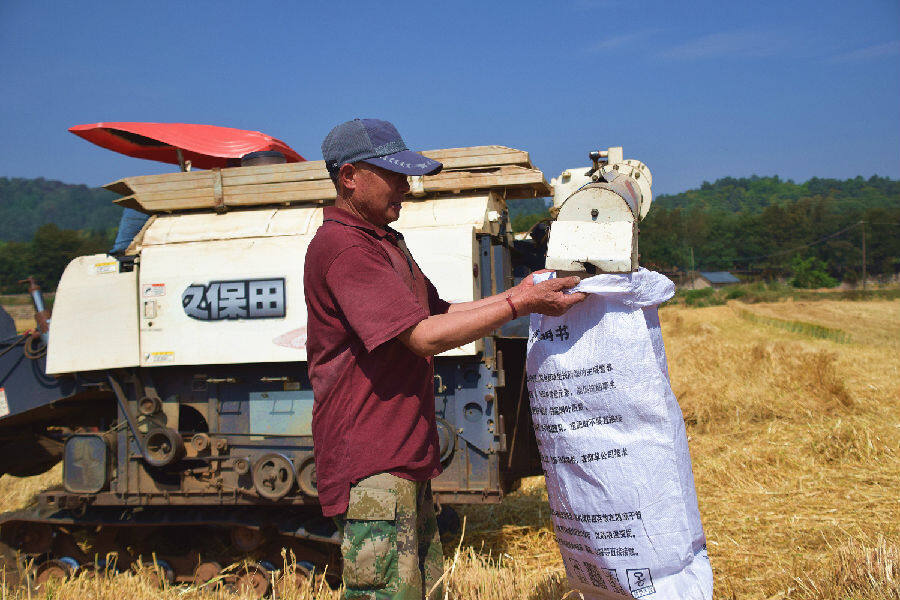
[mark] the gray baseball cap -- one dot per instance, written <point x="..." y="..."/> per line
<point x="375" y="142"/>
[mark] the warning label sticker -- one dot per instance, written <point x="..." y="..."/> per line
<point x="106" y="267"/>
<point x="153" y="290"/>
<point x="4" y="407"/>
<point x="155" y="358"/>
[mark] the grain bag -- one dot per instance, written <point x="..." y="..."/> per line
<point x="613" y="444"/>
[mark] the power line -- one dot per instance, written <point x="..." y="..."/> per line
<point x="727" y="203"/>
<point x="780" y="252"/>
<point x="832" y="206"/>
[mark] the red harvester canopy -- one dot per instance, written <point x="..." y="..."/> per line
<point x="206" y="146"/>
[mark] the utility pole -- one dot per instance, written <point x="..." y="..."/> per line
<point x="864" y="275"/>
<point x="692" y="276"/>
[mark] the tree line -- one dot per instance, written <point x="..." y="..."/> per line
<point x="46" y="255"/>
<point x="757" y="227"/>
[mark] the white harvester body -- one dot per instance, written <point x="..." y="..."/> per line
<point x="226" y="286"/>
<point x="217" y="271"/>
<point x="147" y="317"/>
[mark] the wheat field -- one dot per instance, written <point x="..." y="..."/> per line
<point x="795" y="440"/>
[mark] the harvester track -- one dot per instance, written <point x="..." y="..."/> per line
<point x="263" y="551"/>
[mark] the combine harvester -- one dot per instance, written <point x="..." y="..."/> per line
<point x="174" y="386"/>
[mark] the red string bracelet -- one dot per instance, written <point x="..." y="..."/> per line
<point x="513" y="307"/>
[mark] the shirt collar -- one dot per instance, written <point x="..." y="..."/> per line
<point x="333" y="213"/>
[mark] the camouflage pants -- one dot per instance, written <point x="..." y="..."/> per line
<point x="390" y="541"/>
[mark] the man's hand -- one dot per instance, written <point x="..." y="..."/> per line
<point x="547" y="297"/>
<point x="528" y="281"/>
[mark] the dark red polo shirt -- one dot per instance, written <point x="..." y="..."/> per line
<point x="374" y="398"/>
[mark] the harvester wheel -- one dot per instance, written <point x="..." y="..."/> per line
<point x="205" y="572"/>
<point x="253" y="580"/>
<point x="55" y="571"/>
<point x="159" y="573"/>
<point x="273" y="476"/>
<point x="293" y="579"/>
<point x="164" y="446"/>
<point x="246" y="539"/>
<point x="306" y="478"/>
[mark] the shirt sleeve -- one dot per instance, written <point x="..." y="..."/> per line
<point x="435" y="305"/>
<point x="372" y="297"/>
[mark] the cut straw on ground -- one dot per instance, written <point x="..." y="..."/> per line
<point x="795" y="440"/>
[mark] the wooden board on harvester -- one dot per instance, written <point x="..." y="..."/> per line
<point x="465" y="169"/>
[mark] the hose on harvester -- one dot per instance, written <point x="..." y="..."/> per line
<point x="14" y="343"/>
<point x="34" y="347"/>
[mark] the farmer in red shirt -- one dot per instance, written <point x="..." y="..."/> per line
<point x="375" y="322"/>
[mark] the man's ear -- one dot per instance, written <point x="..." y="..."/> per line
<point x="347" y="176"/>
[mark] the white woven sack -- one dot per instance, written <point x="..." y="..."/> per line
<point x="613" y="445"/>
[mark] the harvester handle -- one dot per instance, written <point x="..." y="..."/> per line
<point x="41" y="314"/>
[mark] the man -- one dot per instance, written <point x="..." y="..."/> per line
<point x="375" y="322"/>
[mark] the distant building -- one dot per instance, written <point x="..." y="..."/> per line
<point x="714" y="279"/>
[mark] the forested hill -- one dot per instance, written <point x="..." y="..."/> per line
<point x="766" y="227"/>
<point x="26" y="204"/>
<point x="751" y="195"/>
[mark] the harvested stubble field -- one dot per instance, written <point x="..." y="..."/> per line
<point x="796" y="450"/>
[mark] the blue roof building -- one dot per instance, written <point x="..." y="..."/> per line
<point x="714" y="279"/>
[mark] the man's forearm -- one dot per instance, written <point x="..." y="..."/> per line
<point x="461" y="325"/>
<point x="457" y="306"/>
<point x="438" y="333"/>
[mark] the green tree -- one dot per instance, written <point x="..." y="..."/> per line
<point x="51" y="250"/>
<point x="14" y="266"/>
<point x="757" y="225"/>
<point x="524" y="222"/>
<point x="810" y="273"/>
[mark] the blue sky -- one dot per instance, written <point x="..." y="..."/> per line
<point x="696" y="90"/>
